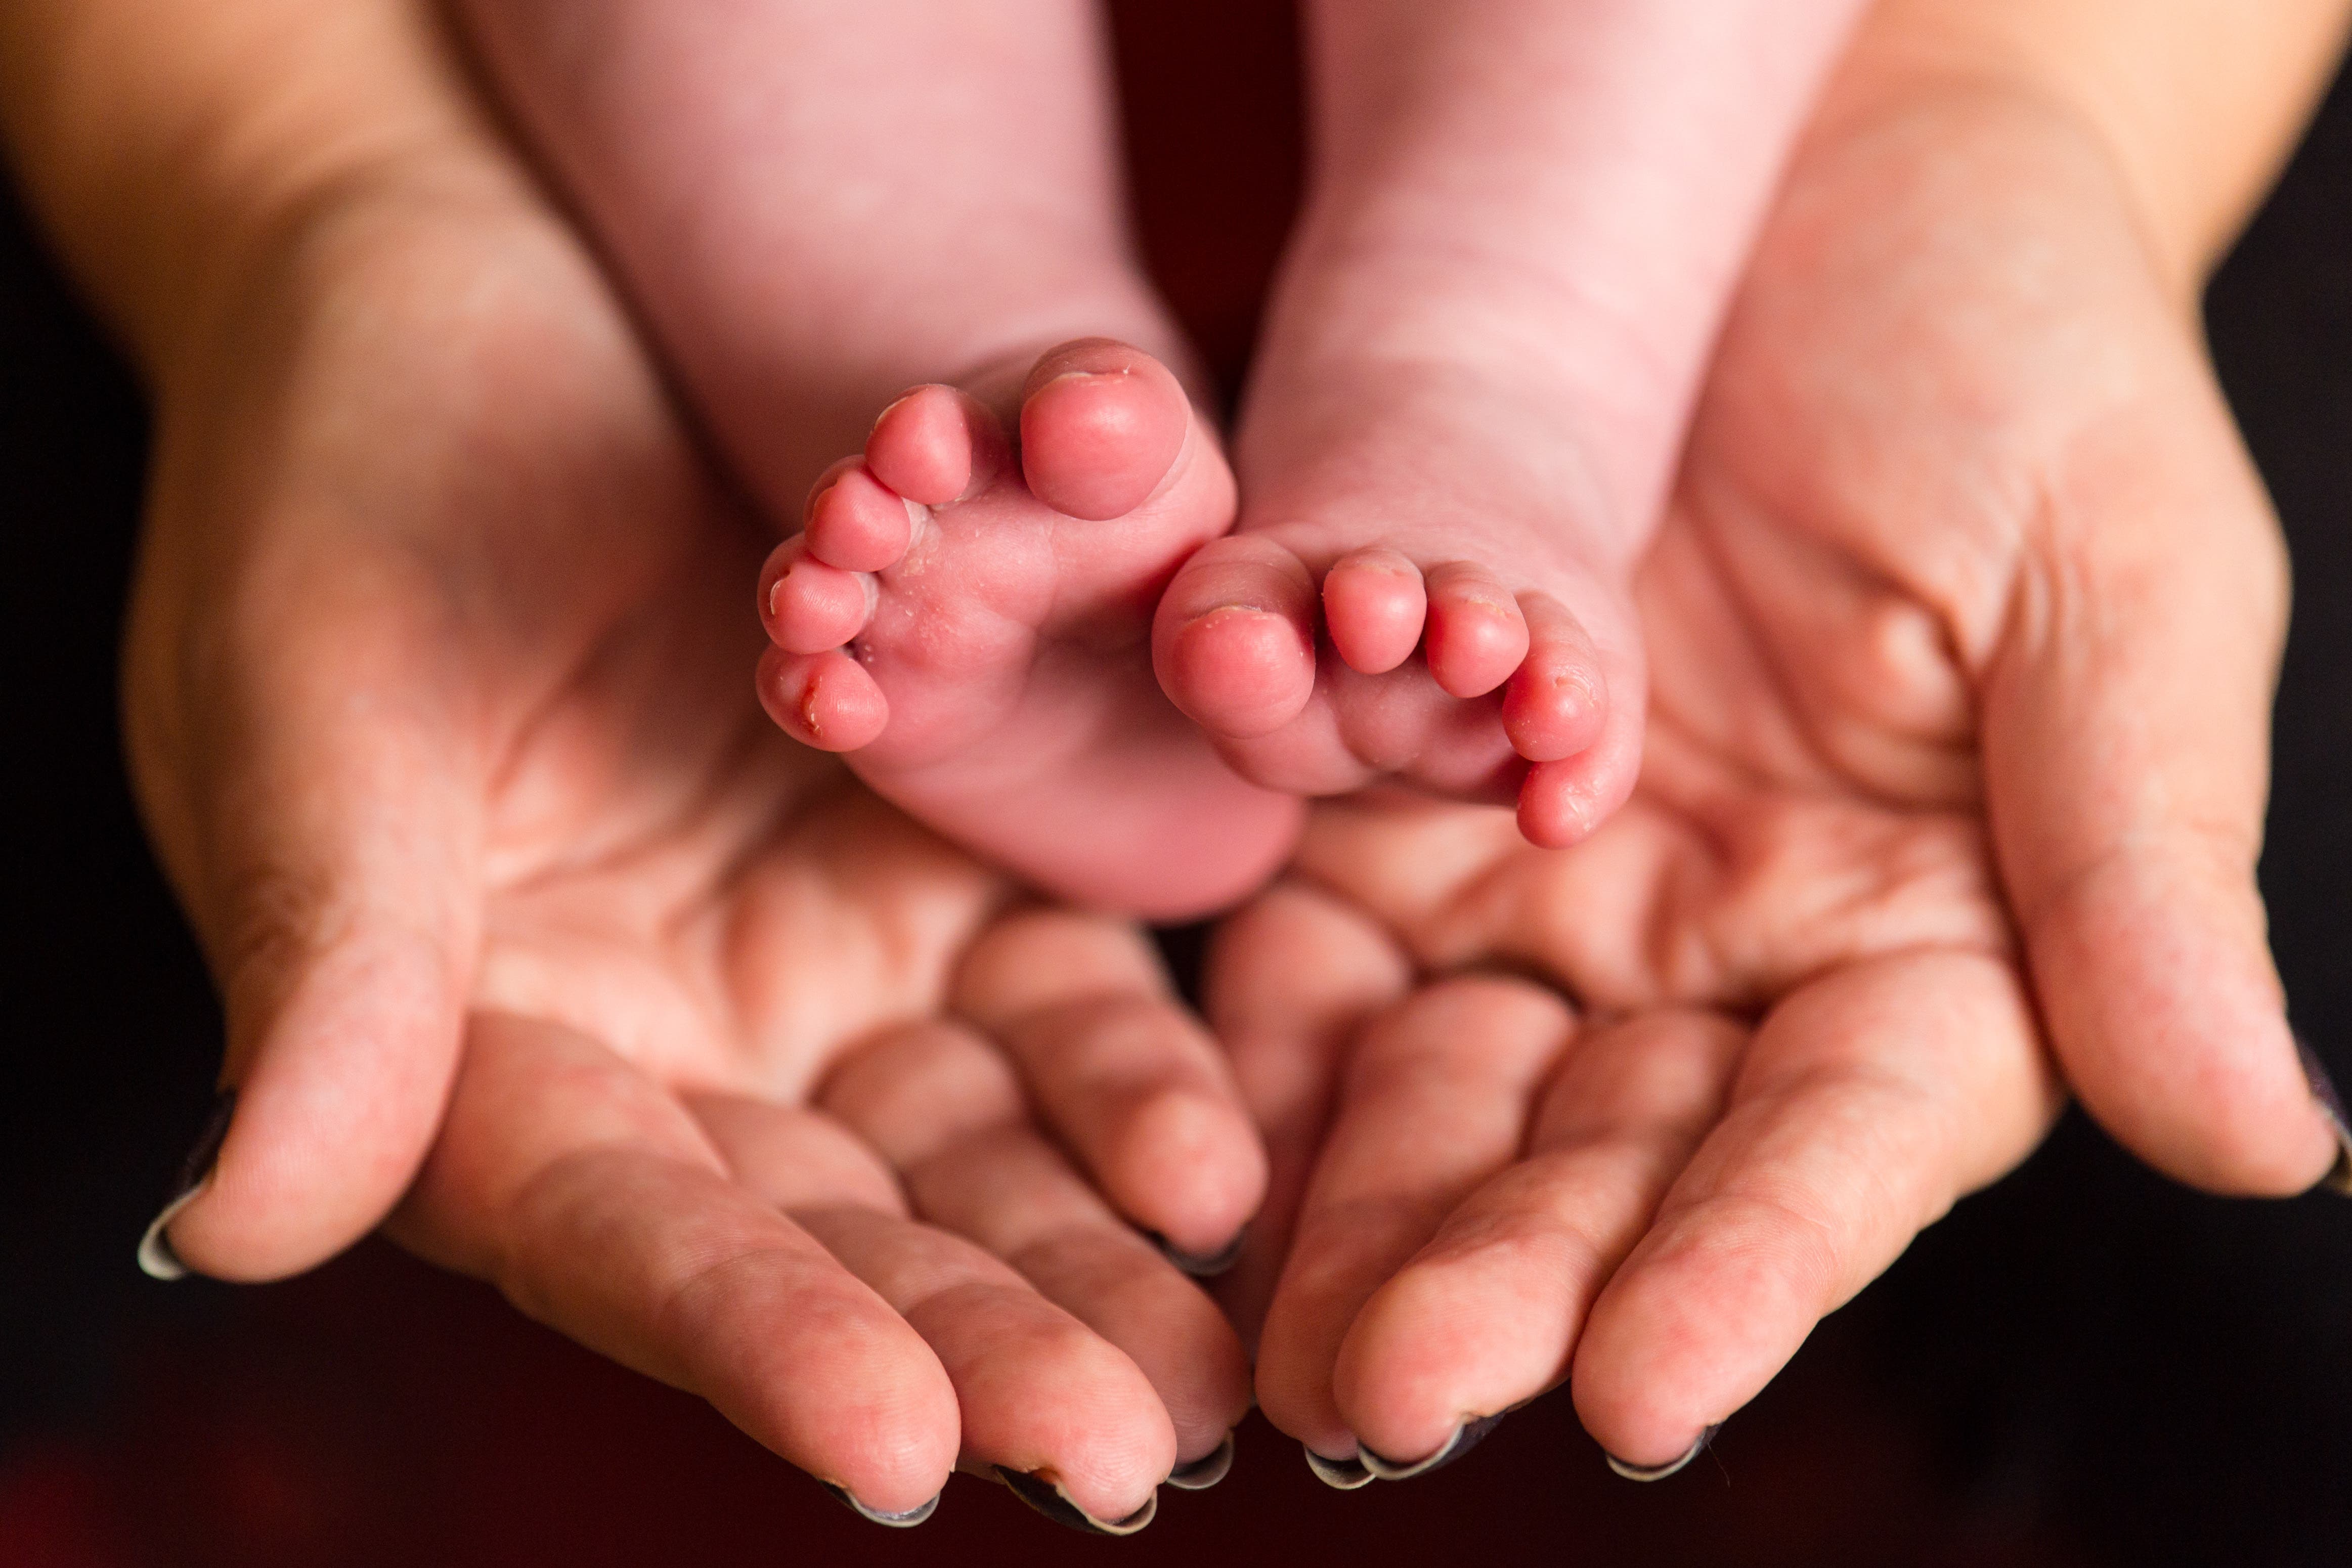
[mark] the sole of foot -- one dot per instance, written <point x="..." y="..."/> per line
<point x="966" y="616"/>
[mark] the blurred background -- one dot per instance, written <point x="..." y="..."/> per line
<point x="2083" y="1365"/>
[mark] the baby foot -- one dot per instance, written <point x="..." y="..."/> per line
<point x="1409" y="596"/>
<point x="966" y="618"/>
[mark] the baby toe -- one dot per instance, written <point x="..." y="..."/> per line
<point x="827" y="699"/>
<point x="1476" y="636"/>
<point x="810" y="606"/>
<point x="859" y="524"/>
<point x="932" y="445"/>
<point x="1374" y="606"/>
<point x="1102" y="426"/>
<point x="1234" y="640"/>
<point x="1557" y="700"/>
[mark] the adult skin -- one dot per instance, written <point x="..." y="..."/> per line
<point x="353" y="935"/>
<point x="439" y="707"/>
<point x="1963" y="625"/>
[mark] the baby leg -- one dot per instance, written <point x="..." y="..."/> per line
<point x="1476" y="369"/>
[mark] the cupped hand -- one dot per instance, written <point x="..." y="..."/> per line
<point x="1962" y="626"/>
<point x="440" y="706"/>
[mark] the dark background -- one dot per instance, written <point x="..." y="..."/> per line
<point x="2083" y="1365"/>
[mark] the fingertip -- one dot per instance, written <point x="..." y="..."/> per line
<point x="2165" y="1010"/>
<point x="1191" y="1169"/>
<point x="336" y="1108"/>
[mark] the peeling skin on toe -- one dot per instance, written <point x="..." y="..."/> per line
<point x="808" y="713"/>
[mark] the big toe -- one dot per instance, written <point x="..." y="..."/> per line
<point x="1102" y="427"/>
<point x="1233" y="641"/>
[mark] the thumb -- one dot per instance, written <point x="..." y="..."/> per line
<point x="2127" y="724"/>
<point x="304" y="796"/>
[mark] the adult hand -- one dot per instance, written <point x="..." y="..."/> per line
<point x="1962" y="626"/>
<point x="440" y="705"/>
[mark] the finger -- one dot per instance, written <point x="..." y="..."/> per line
<point x="948" y="1113"/>
<point x="1289" y="983"/>
<point x="1484" y="1316"/>
<point x="2126" y="748"/>
<point x="1120" y="1069"/>
<point x="1434" y="1101"/>
<point x="1868" y="1102"/>
<point x="318" y="814"/>
<point x="599" y="1206"/>
<point x="1038" y="1392"/>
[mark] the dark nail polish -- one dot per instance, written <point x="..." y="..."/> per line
<point x="1201" y="1264"/>
<point x="2323" y="1089"/>
<point x="1046" y="1499"/>
<point x="907" y="1521"/>
<point x="1344" y="1475"/>
<point x="155" y="1254"/>
<point x="1660" y="1472"/>
<point x="1466" y="1436"/>
<point x="1205" y="1471"/>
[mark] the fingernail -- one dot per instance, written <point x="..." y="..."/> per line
<point x="1049" y="1500"/>
<point x="155" y="1254"/>
<point x="1466" y="1436"/>
<point x="1344" y="1475"/>
<point x="1201" y="1264"/>
<point x="1660" y="1472"/>
<point x="1205" y="1471"/>
<point x="907" y="1521"/>
<point x="2323" y="1089"/>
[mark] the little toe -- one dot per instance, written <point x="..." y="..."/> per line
<point x="1234" y="640"/>
<point x="933" y="446"/>
<point x="1561" y="803"/>
<point x="1557" y="700"/>
<point x="859" y="523"/>
<point x="1374" y="606"/>
<point x="824" y="699"/>
<point x="1475" y="635"/>
<point x="809" y="606"/>
<point x="1102" y="426"/>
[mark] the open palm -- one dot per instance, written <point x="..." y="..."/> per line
<point x="1961" y="624"/>
<point x="441" y="709"/>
